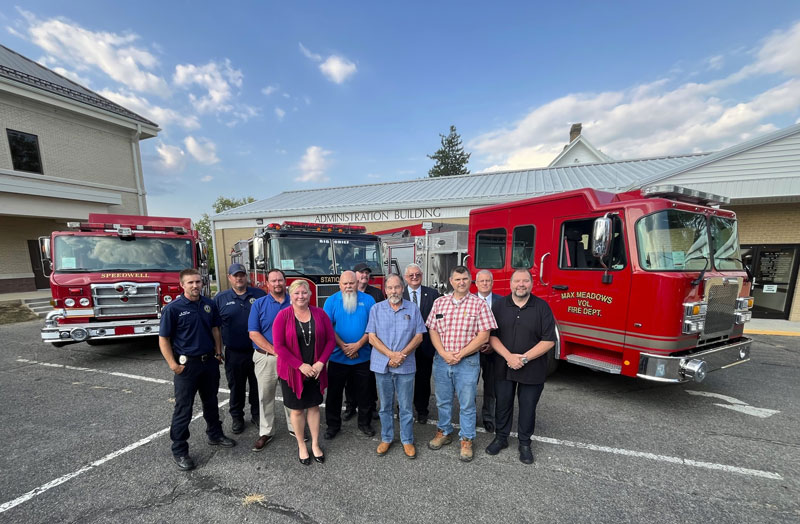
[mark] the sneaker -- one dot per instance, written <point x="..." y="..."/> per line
<point x="440" y="440"/>
<point x="383" y="448"/>
<point x="466" y="450"/>
<point x="410" y="450"/>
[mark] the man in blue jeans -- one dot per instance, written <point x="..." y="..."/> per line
<point x="459" y="325"/>
<point x="395" y="329"/>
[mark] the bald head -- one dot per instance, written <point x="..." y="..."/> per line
<point x="347" y="282"/>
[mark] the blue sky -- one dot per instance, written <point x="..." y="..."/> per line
<point x="255" y="98"/>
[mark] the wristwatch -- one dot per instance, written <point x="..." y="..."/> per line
<point x="524" y="360"/>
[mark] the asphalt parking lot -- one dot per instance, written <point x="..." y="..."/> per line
<point x="85" y="439"/>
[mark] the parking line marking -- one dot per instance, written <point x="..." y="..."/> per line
<point x="546" y="440"/>
<point x="69" y="476"/>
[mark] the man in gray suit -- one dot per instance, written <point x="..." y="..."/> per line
<point x="423" y="297"/>
<point x="484" y="282"/>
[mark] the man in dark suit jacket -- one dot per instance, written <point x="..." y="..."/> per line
<point x="484" y="282"/>
<point x="423" y="297"/>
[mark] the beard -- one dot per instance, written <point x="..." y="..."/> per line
<point x="349" y="301"/>
<point x="394" y="299"/>
<point x="521" y="293"/>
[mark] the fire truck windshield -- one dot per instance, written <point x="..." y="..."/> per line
<point x="324" y="256"/>
<point x="86" y="253"/>
<point x="673" y="240"/>
<point x="725" y="240"/>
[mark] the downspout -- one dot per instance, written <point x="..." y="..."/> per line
<point x="216" y="254"/>
<point x="137" y="168"/>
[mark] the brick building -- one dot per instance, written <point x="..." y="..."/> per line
<point x="65" y="151"/>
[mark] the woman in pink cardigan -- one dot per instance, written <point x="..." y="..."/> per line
<point x="304" y="340"/>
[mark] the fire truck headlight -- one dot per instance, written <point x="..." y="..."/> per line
<point x="84" y="301"/>
<point x="70" y="302"/>
<point x="167" y="299"/>
<point x="744" y="303"/>
<point x="79" y="334"/>
<point x="694" y="317"/>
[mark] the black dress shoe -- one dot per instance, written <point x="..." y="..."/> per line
<point x="367" y="430"/>
<point x="525" y="454"/>
<point x="496" y="445"/>
<point x="184" y="463"/>
<point x="320" y="458"/>
<point x="304" y="461"/>
<point x="348" y="414"/>
<point x="237" y="426"/>
<point x="488" y="426"/>
<point x="422" y="419"/>
<point x="330" y="433"/>
<point x="255" y="420"/>
<point x="223" y="441"/>
<point x="375" y="415"/>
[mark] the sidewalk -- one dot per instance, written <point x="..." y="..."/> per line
<point x="764" y="326"/>
<point x="17" y="298"/>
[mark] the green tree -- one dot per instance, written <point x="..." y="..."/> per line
<point x="203" y="226"/>
<point x="450" y="158"/>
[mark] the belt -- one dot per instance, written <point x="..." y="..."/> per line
<point x="262" y="351"/>
<point x="201" y="358"/>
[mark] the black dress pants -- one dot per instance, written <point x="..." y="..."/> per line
<point x="339" y="375"/>
<point x="528" y="397"/>
<point x="489" y="398"/>
<point x="422" y="384"/>
<point x="202" y="377"/>
<point x="240" y="371"/>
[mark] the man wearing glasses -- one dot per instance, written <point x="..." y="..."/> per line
<point x="423" y="297"/>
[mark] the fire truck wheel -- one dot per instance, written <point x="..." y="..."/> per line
<point x="58" y="344"/>
<point x="552" y="363"/>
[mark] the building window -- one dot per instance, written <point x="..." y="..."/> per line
<point x="24" y="151"/>
<point x="490" y="248"/>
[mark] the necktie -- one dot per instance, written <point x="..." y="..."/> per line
<point x="414" y="298"/>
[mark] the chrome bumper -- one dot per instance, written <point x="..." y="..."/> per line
<point x="662" y="368"/>
<point x="55" y="332"/>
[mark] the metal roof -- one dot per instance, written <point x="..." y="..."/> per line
<point x="18" y="68"/>
<point x="466" y="190"/>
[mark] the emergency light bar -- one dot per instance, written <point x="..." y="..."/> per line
<point x="127" y="229"/>
<point x="312" y="227"/>
<point x="684" y="194"/>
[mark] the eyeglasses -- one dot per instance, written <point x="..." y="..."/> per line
<point x="414" y="275"/>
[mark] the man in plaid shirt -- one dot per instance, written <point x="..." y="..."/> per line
<point x="459" y="325"/>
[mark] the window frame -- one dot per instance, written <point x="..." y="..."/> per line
<point x="503" y="247"/>
<point x="513" y="246"/>
<point x="14" y="163"/>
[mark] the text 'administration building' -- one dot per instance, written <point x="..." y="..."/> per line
<point x="65" y="152"/>
<point x="761" y="177"/>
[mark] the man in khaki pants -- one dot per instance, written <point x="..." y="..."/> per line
<point x="262" y="315"/>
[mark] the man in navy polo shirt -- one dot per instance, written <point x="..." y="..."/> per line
<point x="190" y="343"/>
<point x="259" y="325"/>
<point x="348" y="310"/>
<point x="234" y="310"/>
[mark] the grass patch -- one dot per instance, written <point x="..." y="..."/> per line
<point x="13" y="313"/>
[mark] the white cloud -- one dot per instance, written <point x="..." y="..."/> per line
<point x="313" y="165"/>
<point x="269" y="90"/>
<point x="160" y="115"/>
<point x="716" y="62"/>
<point x="217" y="79"/>
<point x="243" y="113"/>
<point x="172" y="158"/>
<point x="84" y="50"/>
<point x="75" y="77"/>
<point x="280" y="113"/>
<point x="336" y="68"/>
<point x="202" y="149"/>
<point x="658" y="118"/>
<point x="207" y="178"/>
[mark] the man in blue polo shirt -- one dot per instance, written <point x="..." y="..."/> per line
<point x="348" y="310"/>
<point x="395" y="330"/>
<point x="234" y="310"/>
<point x="259" y="325"/>
<point x="190" y="342"/>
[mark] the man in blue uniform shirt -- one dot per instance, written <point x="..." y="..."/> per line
<point x="190" y="342"/>
<point x="234" y="310"/>
<point x="349" y="312"/>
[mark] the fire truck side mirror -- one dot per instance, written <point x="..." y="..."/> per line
<point x="44" y="252"/>
<point x="202" y="249"/>
<point x="601" y="237"/>
<point x="261" y="263"/>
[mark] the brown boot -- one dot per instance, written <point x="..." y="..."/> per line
<point x="383" y="448"/>
<point x="466" y="450"/>
<point x="410" y="450"/>
<point x="440" y="440"/>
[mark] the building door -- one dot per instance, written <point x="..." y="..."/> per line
<point x="39" y="279"/>
<point x="774" y="269"/>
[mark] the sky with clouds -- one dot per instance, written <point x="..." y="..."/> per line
<point x="255" y="98"/>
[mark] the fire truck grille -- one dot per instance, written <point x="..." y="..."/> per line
<point x="324" y="291"/>
<point x="123" y="299"/>
<point x="720" y="316"/>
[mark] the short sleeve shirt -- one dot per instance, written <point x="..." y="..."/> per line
<point x="350" y="327"/>
<point x="188" y="324"/>
<point x="263" y="313"/>
<point x="519" y="329"/>
<point x="395" y="329"/>
<point x="234" y="311"/>
<point x="458" y="321"/>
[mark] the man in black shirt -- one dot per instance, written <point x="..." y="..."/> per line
<point x="525" y="333"/>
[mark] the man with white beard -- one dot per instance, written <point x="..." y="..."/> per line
<point x="348" y="310"/>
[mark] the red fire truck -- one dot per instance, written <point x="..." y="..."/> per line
<point x="317" y="253"/>
<point x="649" y="283"/>
<point x="110" y="276"/>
